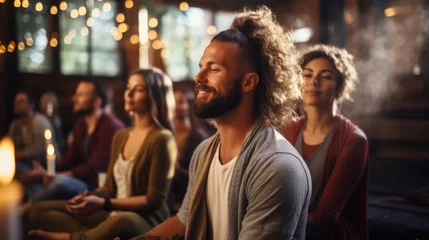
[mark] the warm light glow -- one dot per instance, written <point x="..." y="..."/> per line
<point x="118" y="36"/>
<point x="39" y="7"/>
<point x="11" y="46"/>
<point x="157" y="44"/>
<point x="348" y="17"/>
<point x="53" y="42"/>
<point x="54" y="10"/>
<point x="67" y="39"/>
<point x="48" y="134"/>
<point x="82" y="10"/>
<point x="25" y="4"/>
<point x="134" y="39"/>
<point x="95" y="12"/>
<point x="153" y="22"/>
<point x="165" y="53"/>
<point x="29" y="42"/>
<point x="152" y="35"/>
<point x="21" y="46"/>
<point x="90" y="22"/>
<point x="120" y="17"/>
<point x="107" y="7"/>
<point x="50" y="150"/>
<point x="74" y="13"/>
<point x="390" y="12"/>
<point x="129" y="4"/>
<point x="211" y="29"/>
<point x="84" y="31"/>
<point x="123" y="27"/>
<point x="63" y="6"/>
<point x="184" y="6"/>
<point x="7" y="157"/>
<point x="17" y="3"/>
<point x="2" y="1"/>
<point x="2" y="49"/>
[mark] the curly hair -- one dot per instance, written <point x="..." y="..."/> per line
<point x="344" y="64"/>
<point x="272" y="53"/>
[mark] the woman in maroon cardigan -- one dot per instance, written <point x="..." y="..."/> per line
<point x="334" y="149"/>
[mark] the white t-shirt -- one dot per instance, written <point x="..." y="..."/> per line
<point x="217" y="195"/>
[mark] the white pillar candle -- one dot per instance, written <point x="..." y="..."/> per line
<point x="50" y="158"/>
<point x="10" y="193"/>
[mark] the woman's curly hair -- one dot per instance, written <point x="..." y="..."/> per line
<point x="272" y="53"/>
<point x="343" y="62"/>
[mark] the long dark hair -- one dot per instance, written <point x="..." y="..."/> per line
<point x="160" y="89"/>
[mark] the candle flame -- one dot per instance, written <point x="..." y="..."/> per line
<point x="50" y="150"/>
<point x="48" y="134"/>
<point x="7" y="161"/>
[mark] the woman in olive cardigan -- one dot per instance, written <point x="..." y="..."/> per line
<point x="133" y="199"/>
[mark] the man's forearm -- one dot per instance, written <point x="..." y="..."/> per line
<point x="170" y="229"/>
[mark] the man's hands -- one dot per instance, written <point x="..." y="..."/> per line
<point x="36" y="174"/>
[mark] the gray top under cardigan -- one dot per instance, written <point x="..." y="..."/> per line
<point x="271" y="192"/>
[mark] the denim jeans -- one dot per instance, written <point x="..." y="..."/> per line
<point x="61" y="187"/>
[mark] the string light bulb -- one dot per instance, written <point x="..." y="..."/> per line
<point x="63" y="6"/>
<point x="54" y="10"/>
<point x="211" y="29"/>
<point x="107" y="7"/>
<point x="25" y="4"/>
<point x="152" y="34"/>
<point x="153" y="22"/>
<point x="39" y="7"/>
<point x="74" y="13"/>
<point x="21" y="46"/>
<point x="120" y="17"/>
<point x="123" y="27"/>
<point x="129" y="4"/>
<point x="134" y="39"/>
<point x="157" y="44"/>
<point x="184" y="6"/>
<point x="90" y="22"/>
<point x="11" y="46"/>
<point x="53" y="42"/>
<point x="82" y="11"/>
<point x="17" y="3"/>
<point x="29" y="41"/>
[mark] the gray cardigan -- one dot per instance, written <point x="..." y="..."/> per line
<point x="268" y="195"/>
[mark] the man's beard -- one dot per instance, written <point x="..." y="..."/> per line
<point x="85" y="111"/>
<point x="220" y="104"/>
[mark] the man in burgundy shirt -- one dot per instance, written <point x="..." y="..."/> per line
<point x="89" y="152"/>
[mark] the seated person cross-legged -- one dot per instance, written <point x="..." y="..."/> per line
<point x="141" y="167"/>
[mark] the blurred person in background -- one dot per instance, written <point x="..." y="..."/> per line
<point x="89" y="152"/>
<point x="49" y="107"/>
<point x="188" y="136"/>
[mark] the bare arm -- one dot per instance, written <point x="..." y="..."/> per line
<point x="172" y="227"/>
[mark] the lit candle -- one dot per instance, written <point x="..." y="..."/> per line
<point x="50" y="153"/>
<point x="11" y="192"/>
<point x="50" y="158"/>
